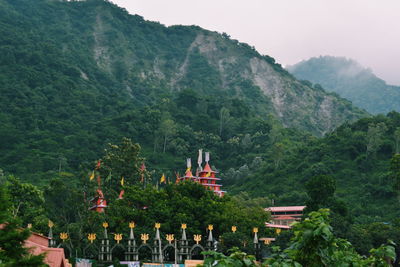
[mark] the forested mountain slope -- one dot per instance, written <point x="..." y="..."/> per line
<point x="351" y="81"/>
<point x="76" y="75"/>
<point x="358" y="157"/>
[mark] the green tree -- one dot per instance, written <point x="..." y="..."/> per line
<point x="375" y="137"/>
<point x="168" y="129"/>
<point x="235" y="259"/>
<point x="121" y="160"/>
<point x="315" y="245"/>
<point x="224" y="119"/>
<point x="395" y="173"/>
<point x="12" y="252"/>
<point x="27" y="202"/>
<point x="321" y="190"/>
<point x="397" y="140"/>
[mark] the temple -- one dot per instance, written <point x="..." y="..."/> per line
<point x="99" y="203"/>
<point x="283" y="217"/>
<point x="204" y="176"/>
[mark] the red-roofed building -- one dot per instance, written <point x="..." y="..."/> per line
<point x="204" y="176"/>
<point x="283" y="217"/>
<point x="54" y="257"/>
<point x="38" y="244"/>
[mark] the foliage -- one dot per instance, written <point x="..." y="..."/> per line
<point x="12" y="252"/>
<point x="77" y="75"/>
<point x="26" y="203"/>
<point x="364" y="184"/>
<point x="314" y="244"/>
<point x="235" y="259"/>
<point x="201" y="208"/>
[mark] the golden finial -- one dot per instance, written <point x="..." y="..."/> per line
<point x="157" y="225"/>
<point x="170" y="238"/>
<point x="63" y="236"/>
<point x="105" y="224"/>
<point x="197" y="238"/>
<point x="234" y="228"/>
<point x="144" y="237"/>
<point x="210" y="227"/>
<point x="132" y="225"/>
<point x="118" y="237"/>
<point x="267" y="241"/>
<point x="183" y="225"/>
<point x="91" y="237"/>
<point x="255" y="230"/>
<point x="278" y="231"/>
<point x="51" y="224"/>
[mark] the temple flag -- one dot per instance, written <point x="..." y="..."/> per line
<point x="122" y="181"/>
<point x="163" y="179"/>
<point x="143" y="167"/>
<point x="91" y="176"/>
<point x="121" y="194"/>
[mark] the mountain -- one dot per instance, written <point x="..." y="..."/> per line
<point x="350" y="80"/>
<point x="357" y="156"/>
<point x="76" y="75"/>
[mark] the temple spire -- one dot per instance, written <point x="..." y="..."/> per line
<point x="200" y="159"/>
<point x="188" y="172"/>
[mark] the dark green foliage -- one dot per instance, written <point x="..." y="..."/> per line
<point x="361" y="179"/>
<point x="186" y="203"/>
<point x="237" y="258"/>
<point x="314" y="244"/>
<point x="77" y="75"/>
<point x="12" y="252"/>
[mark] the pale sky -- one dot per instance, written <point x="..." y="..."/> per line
<point x="292" y="30"/>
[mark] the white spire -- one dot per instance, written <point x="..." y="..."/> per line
<point x="207" y="156"/>
<point x="189" y="163"/>
<point x="200" y="159"/>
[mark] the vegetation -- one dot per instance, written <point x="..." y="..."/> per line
<point x="170" y="204"/>
<point x="313" y="245"/>
<point x="12" y="252"/>
<point x="350" y="80"/>
<point x="353" y="161"/>
<point x="79" y="76"/>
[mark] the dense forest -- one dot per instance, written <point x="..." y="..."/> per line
<point x="77" y="75"/>
<point x="83" y="81"/>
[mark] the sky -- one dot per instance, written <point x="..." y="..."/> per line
<point x="294" y="30"/>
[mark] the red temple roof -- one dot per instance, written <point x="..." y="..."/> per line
<point x="285" y="209"/>
<point x="207" y="168"/>
<point x="189" y="173"/>
<point x="270" y="225"/>
<point x="54" y="257"/>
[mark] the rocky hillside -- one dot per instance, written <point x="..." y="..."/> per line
<point x="139" y="54"/>
<point x="76" y="75"/>
<point x="350" y="80"/>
